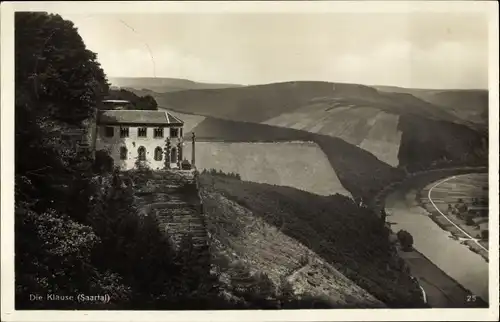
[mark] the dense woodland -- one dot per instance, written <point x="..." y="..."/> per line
<point x="77" y="229"/>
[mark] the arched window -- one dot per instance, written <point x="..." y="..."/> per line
<point x="142" y="153"/>
<point x="123" y="153"/>
<point x="173" y="155"/>
<point x="158" y="154"/>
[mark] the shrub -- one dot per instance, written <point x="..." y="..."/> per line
<point x="405" y="239"/>
<point x="469" y="221"/>
<point x="103" y="162"/>
<point x="142" y="166"/>
<point x="186" y="165"/>
<point x="485" y="234"/>
<point x="220" y="173"/>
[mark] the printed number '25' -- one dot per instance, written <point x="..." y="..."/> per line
<point x="471" y="298"/>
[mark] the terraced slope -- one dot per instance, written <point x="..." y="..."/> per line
<point x="239" y="235"/>
<point x="302" y="165"/>
<point x="321" y="245"/>
<point x="172" y="197"/>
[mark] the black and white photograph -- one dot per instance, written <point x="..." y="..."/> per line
<point x="276" y="160"/>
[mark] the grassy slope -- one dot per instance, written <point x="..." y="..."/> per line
<point x="163" y="85"/>
<point x="301" y="165"/>
<point x="360" y="172"/>
<point x="429" y="132"/>
<point x="261" y="102"/>
<point x="350" y="238"/>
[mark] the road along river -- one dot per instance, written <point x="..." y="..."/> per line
<point x="467" y="268"/>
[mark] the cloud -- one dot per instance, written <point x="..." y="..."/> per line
<point x="401" y="63"/>
<point x="415" y="50"/>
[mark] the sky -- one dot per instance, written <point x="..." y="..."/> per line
<point x="420" y="50"/>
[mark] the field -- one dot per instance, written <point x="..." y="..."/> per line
<point x="295" y="164"/>
<point x="359" y="171"/>
<point x="369" y="128"/>
<point x="465" y="187"/>
<point x="277" y="224"/>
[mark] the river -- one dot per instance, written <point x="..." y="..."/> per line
<point x="456" y="260"/>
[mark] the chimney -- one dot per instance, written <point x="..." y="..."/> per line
<point x="193" y="158"/>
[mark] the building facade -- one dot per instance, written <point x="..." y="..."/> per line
<point x="132" y="137"/>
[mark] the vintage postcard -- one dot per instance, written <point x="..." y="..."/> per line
<point x="249" y="161"/>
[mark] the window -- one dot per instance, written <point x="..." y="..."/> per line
<point x="181" y="131"/>
<point x="142" y="132"/>
<point x="173" y="155"/>
<point x="174" y="132"/>
<point x="158" y="133"/>
<point x="109" y="131"/>
<point x="158" y="154"/>
<point x="141" y="153"/>
<point x="123" y="153"/>
<point x="124" y="132"/>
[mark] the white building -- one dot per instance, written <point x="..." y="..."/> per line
<point x="132" y="135"/>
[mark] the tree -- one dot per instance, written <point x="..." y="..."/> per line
<point x="56" y="75"/>
<point x="58" y="82"/>
<point x="136" y="102"/>
<point x="406" y="240"/>
<point x="168" y="147"/>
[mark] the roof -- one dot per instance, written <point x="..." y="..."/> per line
<point x="137" y="117"/>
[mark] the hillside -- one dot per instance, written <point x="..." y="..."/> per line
<point x="388" y="125"/>
<point x="471" y="105"/>
<point x="260" y="103"/>
<point x="162" y="84"/>
<point x="359" y="171"/>
<point x="301" y="165"/>
<point x="269" y="228"/>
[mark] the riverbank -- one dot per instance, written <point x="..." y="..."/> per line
<point x="451" y="223"/>
<point x="442" y="290"/>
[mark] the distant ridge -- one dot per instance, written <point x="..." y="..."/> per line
<point x="164" y="85"/>
<point x="466" y="104"/>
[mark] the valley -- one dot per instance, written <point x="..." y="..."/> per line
<point x="346" y="140"/>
